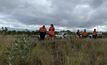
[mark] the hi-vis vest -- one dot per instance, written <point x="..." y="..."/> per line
<point x="42" y="29"/>
<point x="84" y="34"/>
<point x="51" y="31"/>
<point x="94" y="33"/>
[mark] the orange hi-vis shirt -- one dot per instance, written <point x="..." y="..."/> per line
<point x="42" y="29"/>
<point x="84" y="34"/>
<point x="51" y="31"/>
<point x="94" y="33"/>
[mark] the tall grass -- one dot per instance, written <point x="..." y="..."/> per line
<point x="19" y="51"/>
<point x="26" y="50"/>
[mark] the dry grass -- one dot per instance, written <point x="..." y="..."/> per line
<point x="26" y="50"/>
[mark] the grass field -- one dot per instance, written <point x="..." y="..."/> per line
<point x="27" y="50"/>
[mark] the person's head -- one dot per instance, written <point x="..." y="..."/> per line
<point x="84" y="30"/>
<point x="43" y="26"/>
<point x="78" y="30"/>
<point x="52" y="25"/>
<point x="94" y="30"/>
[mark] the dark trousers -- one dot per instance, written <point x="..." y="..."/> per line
<point x="42" y="35"/>
<point x="84" y="36"/>
<point x="94" y="36"/>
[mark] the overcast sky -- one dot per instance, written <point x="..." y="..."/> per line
<point x="65" y="14"/>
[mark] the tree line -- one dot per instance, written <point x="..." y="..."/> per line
<point x="6" y="31"/>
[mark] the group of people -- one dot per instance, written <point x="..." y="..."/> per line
<point x="43" y="31"/>
<point x="51" y="33"/>
<point x="85" y="34"/>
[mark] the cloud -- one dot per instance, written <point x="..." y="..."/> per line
<point x="69" y="14"/>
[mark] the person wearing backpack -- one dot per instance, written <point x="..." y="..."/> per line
<point x="42" y="32"/>
<point x="85" y="34"/>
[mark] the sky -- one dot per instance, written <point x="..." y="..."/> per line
<point x="64" y="14"/>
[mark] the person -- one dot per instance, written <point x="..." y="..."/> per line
<point x="94" y="33"/>
<point x="51" y="31"/>
<point x="64" y="35"/>
<point x="85" y="34"/>
<point x="42" y="32"/>
<point x="78" y="34"/>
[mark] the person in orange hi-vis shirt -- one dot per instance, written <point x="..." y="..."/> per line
<point x="42" y="32"/>
<point x="85" y="34"/>
<point x="94" y="33"/>
<point x="51" y="31"/>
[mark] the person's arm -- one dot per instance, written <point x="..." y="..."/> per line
<point x="53" y="29"/>
<point x="46" y="30"/>
<point x="49" y="29"/>
<point x="40" y="30"/>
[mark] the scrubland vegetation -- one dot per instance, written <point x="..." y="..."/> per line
<point x="28" y="50"/>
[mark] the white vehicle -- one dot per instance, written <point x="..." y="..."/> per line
<point x="58" y="36"/>
<point x="62" y="35"/>
<point x="99" y="34"/>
